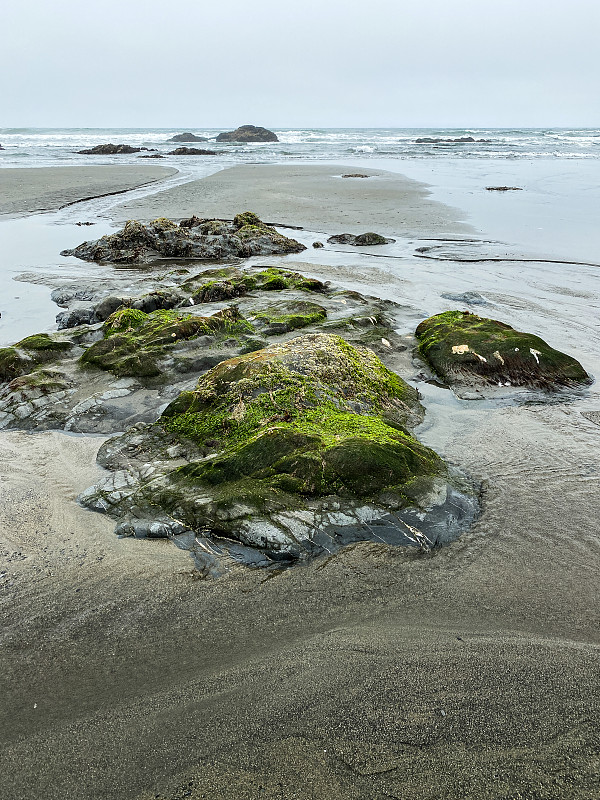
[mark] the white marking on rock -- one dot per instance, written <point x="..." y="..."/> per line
<point x="535" y="354"/>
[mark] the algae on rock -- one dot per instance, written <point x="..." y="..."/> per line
<point x="464" y="348"/>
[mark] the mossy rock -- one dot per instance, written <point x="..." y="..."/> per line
<point x="134" y="342"/>
<point x="314" y="416"/>
<point x="42" y="342"/>
<point x="11" y="364"/>
<point x="464" y="348"/>
<point x="293" y="315"/>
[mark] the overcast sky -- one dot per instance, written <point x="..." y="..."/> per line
<point x="315" y="63"/>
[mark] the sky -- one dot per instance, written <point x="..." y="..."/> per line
<point x="315" y="63"/>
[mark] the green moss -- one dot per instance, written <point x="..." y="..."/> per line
<point x="292" y="315"/>
<point x="135" y="342"/>
<point x="11" y="364"/>
<point x="247" y="218"/>
<point x="289" y="418"/>
<point x="45" y="380"/>
<point x="42" y="341"/>
<point x="462" y="346"/>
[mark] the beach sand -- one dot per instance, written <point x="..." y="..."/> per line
<point x="46" y="188"/>
<point x="312" y="196"/>
<point x="469" y="673"/>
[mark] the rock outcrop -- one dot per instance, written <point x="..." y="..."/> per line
<point x="292" y="450"/>
<point x="467" y="350"/>
<point x="362" y="240"/>
<point x="248" y="133"/>
<point x="191" y="151"/>
<point x="460" y="140"/>
<point x="187" y="137"/>
<point x="111" y="150"/>
<point x="193" y="238"/>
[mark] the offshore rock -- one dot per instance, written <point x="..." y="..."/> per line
<point x="191" y="151"/>
<point x="467" y="350"/>
<point x="110" y="150"/>
<point x="248" y="133"/>
<point x="193" y="238"/>
<point x="460" y="140"/>
<point x="292" y="450"/>
<point x="187" y="137"/>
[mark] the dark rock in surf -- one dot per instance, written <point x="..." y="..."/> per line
<point x="248" y="133"/>
<point x="187" y="137"/>
<point x="191" y="151"/>
<point x="111" y="150"/>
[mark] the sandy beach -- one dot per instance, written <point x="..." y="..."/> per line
<point x="471" y="672"/>
<point x="46" y="188"/>
<point x="312" y="196"/>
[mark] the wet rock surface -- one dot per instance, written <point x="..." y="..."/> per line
<point x="467" y="350"/>
<point x="361" y="240"/>
<point x="248" y="133"/>
<point x="191" y="151"/>
<point x="192" y="238"/>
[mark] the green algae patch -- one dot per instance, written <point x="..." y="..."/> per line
<point x="42" y="342"/>
<point x="11" y="364"/>
<point x="293" y="315"/>
<point x="463" y="348"/>
<point x="311" y="417"/>
<point x="134" y="342"/>
<point x="273" y="279"/>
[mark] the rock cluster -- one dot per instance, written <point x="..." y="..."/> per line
<point x="460" y="140"/>
<point x="193" y="238"/>
<point x="187" y="137"/>
<point x="248" y="133"/>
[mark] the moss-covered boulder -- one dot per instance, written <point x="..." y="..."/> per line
<point x="362" y="240"/>
<point x="465" y="349"/>
<point x="193" y="238"/>
<point x="270" y="446"/>
<point x="135" y="343"/>
<point x="25" y="355"/>
<point x="289" y="316"/>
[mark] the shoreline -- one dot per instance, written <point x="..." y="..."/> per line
<point x="22" y="187"/>
<point x="470" y="673"/>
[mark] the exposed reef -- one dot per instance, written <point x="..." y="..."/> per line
<point x="467" y="350"/>
<point x="193" y="238"/>
<point x="459" y="140"/>
<point x="248" y="133"/>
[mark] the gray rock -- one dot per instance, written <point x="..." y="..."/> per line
<point x="248" y="133"/>
<point x="470" y="298"/>
<point x="84" y="315"/>
<point x="187" y="137"/>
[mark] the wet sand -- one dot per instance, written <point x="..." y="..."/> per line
<point x="470" y="673"/>
<point x="46" y="188"/>
<point x="385" y="202"/>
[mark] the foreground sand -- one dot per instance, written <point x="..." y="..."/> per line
<point x="471" y="673"/>
<point x="47" y="188"/>
<point x="315" y="197"/>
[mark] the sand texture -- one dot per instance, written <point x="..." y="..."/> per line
<point x="315" y="197"/>
<point x="46" y="188"/>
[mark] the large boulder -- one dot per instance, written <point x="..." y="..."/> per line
<point x="248" y="133"/>
<point x="467" y="350"/>
<point x="194" y="238"/>
<point x="111" y="150"/>
<point x="187" y="137"/>
<point x="361" y="240"/>
<point x="292" y="450"/>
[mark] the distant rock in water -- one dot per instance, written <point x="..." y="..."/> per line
<point x="362" y="240"/>
<point x="470" y="298"/>
<point x="248" y="133"/>
<point x="1" y="148"/>
<point x="187" y="137"/>
<point x="191" y="151"/>
<point x="467" y="350"/>
<point x="356" y="175"/>
<point x="294" y="450"/>
<point x="461" y="140"/>
<point x="194" y="238"/>
<point x="152" y="155"/>
<point x="504" y="189"/>
<point x="111" y="150"/>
